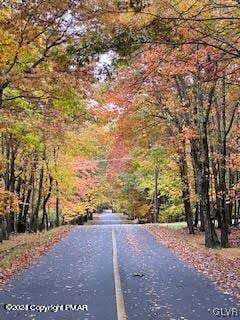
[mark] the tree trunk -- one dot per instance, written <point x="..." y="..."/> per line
<point x="186" y="190"/>
<point x="39" y="199"/>
<point x="2" y="87"/>
<point x="197" y="179"/>
<point x="221" y="118"/>
<point x="57" y="206"/>
<point x="156" y="205"/>
<point x="22" y="221"/>
<point x="211" y="239"/>
<point x="45" y="201"/>
<point x="3" y="228"/>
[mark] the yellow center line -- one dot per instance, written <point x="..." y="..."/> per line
<point x="121" y="313"/>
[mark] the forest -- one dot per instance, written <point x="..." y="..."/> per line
<point x="132" y="105"/>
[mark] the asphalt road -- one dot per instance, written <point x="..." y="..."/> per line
<point x="120" y="272"/>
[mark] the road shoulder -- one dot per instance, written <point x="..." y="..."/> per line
<point x="221" y="270"/>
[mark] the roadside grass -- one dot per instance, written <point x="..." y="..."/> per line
<point x="13" y="254"/>
<point x="197" y="240"/>
<point x="20" y="251"/>
<point x="174" y="225"/>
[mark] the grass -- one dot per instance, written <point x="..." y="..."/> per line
<point x="20" y="244"/>
<point x="198" y="240"/>
<point x="174" y="225"/>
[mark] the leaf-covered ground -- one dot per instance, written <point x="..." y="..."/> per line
<point x="218" y="265"/>
<point x="20" y="251"/>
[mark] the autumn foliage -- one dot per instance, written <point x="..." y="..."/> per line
<point x="134" y="104"/>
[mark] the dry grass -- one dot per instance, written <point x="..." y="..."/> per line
<point x="18" y="252"/>
<point x="198" y="240"/>
<point x="20" y="239"/>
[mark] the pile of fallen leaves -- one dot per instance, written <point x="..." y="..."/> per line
<point x="26" y="249"/>
<point x="222" y="271"/>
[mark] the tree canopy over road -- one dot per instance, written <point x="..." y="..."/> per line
<point x="130" y="104"/>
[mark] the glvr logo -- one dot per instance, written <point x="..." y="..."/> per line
<point x="226" y="312"/>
